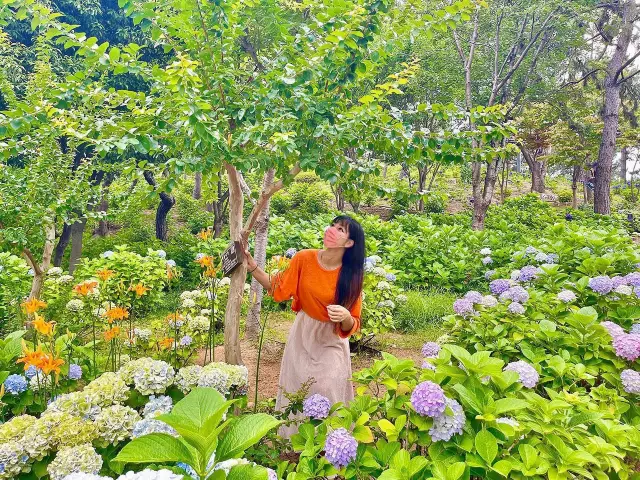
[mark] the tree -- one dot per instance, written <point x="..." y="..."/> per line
<point x="626" y="14"/>
<point x="533" y="140"/>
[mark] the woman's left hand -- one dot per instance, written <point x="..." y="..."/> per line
<point x="338" y="314"/>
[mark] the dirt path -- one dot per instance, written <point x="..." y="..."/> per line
<point x="273" y="348"/>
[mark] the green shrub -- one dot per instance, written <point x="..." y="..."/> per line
<point x="422" y="309"/>
<point x="193" y="212"/>
<point x="301" y="199"/>
<point x="435" y="202"/>
<point x="565" y="196"/>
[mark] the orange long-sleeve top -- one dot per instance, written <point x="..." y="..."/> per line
<point x="312" y="288"/>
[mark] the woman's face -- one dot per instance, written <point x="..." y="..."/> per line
<point x="337" y="236"/>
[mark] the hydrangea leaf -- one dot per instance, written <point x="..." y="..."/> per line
<point x="154" y="448"/>
<point x="486" y="446"/>
<point x="243" y="433"/>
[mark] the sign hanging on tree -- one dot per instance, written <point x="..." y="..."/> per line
<point x="232" y="257"/>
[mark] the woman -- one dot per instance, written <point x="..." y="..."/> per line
<point x="326" y="287"/>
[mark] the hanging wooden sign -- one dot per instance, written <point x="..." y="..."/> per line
<point x="232" y="257"/>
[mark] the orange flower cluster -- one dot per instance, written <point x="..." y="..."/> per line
<point x="112" y="333"/>
<point x="116" y="313"/>
<point x="170" y="272"/>
<point x="105" y="274"/>
<point x="85" y="288"/>
<point x="139" y="288"/>
<point x="166" y="342"/>
<point x="42" y="326"/>
<point x="206" y="261"/>
<point x="205" y="234"/>
<point x="32" y="305"/>
<point x="39" y="359"/>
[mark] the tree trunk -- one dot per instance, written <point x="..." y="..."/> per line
<point x="483" y="194"/>
<point x="610" y="112"/>
<point x="338" y="194"/>
<point x="40" y="269"/>
<point x="197" y="187"/>
<point x="232" y="353"/>
<point x="166" y="204"/>
<point x="103" y="226"/>
<point x="63" y="241"/>
<point x="77" y="232"/>
<point x="252" y="329"/>
<point x="537" y="169"/>
<point x="422" y="178"/>
<point x="624" y="155"/>
<point x="575" y="178"/>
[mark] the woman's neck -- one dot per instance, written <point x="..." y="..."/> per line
<point x="332" y="257"/>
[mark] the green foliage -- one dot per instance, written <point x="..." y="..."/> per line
<point x="422" y="309"/>
<point x="14" y="285"/>
<point x="565" y="196"/>
<point x="199" y="419"/>
<point x="301" y="199"/>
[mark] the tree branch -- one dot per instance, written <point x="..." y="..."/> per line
<point x="32" y="261"/>
<point x="625" y="65"/>
<point x="581" y="79"/>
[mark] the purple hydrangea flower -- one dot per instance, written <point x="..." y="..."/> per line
<point x="290" y="252"/>
<point x="488" y="274"/>
<point x="316" y="406"/>
<point x="630" y="381"/>
<point x="75" y="372"/>
<point x="428" y="365"/>
<point x="531" y="250"/>
<point x="390" y="277"/>
<point x="499" y="286"/>
<point x="430" y="350"/>
<point x="428" y="399"/>
<point x="516" y="308"/>
<point x="16" y="384"/>
<point x="185" y="341"/>
<point x="31" y="372"/>
<point x="553" y="258"/>
<point x="633" y="279"/>
<point x="627" y="346"/>
<point x="528" y="375"/>
<point x="566" y="296"/>
<point x="463" y="306"/>
<point x="601" y="284"/>
<point x="617" y="281"/>
<point x="614" y="329"/>
<point x="487" y="261"/>
<point x="635" y="329"/>
<point x="517" y="294"/>
<point x="446" y="426"/>
<point x="475" y="297"/>
<point x="271" y="474"/>
<point x="340" y="448"/>
<point x="528" y="273"/>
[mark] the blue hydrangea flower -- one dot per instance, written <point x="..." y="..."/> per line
<point x="316" y="406"/>
<point x="635" y="329"/>
<point x="528" y="375"/>
<point x="446" y="426"/>
<point x="633" y="279"/>
<point x="553" y="258"/>
<point x="390" y="277"/>
<point x="157" y="405"/>
<point x="430" y="350"/>
<point x="31" y="372"/>
<point x="630" y="381"/>
<point x="487" y="261"/>
<point x="516" y="294"/>
<point x="290" y="252"/>
<point x="566" y="296"/>
<point x="528" y="273"/>
<point x="340" y="448"/>
<point x="618" y="280"/>
<point x="541" y="257"/>
<point x="16" y="384"/>
<point x="488" y="274"/>
<point x="107" y="254"/>
<point x="601" y="284"/>
<point x="463" y="306"/>
<point x="531" y="250"/>
<point x="185" y="341"/>
<point x="171" y="263"/>
<point x="500" y="285"/>
<point x="428" y="399"/>
<point x="75" y="372"/>
<point x="147" y="426"/>
<point x="516" y="308"/>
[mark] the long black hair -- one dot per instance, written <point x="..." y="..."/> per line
<point x="351" y="276"/>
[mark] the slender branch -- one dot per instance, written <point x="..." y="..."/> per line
<point x="632" y="75"/>
<point x="581" y="79"/>
<point x="31" y="259"/>
<point x="626" y="64"/>
<point x="514" y="46"/>
<point x="459" y="47"/>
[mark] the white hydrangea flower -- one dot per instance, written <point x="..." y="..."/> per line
<point x="383" y="285"/>
<point x="401" y="298"/>
<point x="85" y="476"/>
<point x="157" y="406"/>
<point x="485" y="251"/>
<point x="54" y="271"/>
<point x="224" y="282"/>
<point x="624" y="290"/>
<point x="379" y="272"/>
<point x="151" y="475"/>
<point x="199" y="323"/>
<point x="76" y="459"/>
<point x="187" y="377"/>
<point x="12" y="460"/>
<point x="205" y="312"/>
<point x="188" y="303"/>
<point x="148" y="376"/>
<point x="143" y="334"/>
<point x="75" y="305"/>
<point x="116" y="423"/>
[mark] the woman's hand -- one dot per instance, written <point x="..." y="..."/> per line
<point x="251" y="263"/>
<point x="338" y="314"/>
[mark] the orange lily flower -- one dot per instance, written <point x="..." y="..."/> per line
<point x="50" y="364"/>
<point x="170" y="273"/>
<point x="116" y="313"/>
<point x="42" y="326"/>
<point x="111" y="334"/>
<point x="105" y="274"/>
<point x="33" y="305"/>
<point x="139" y="288"/>
<point x="210" y="272"/>
<point x="204" y="234"/>
<point x="206" y="261"/>
<point x="167" y="342"/>
<point x="31" y="358"/>
<point x="85" y="287"/>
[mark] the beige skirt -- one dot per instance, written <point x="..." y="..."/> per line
<point x="314" y="351"/>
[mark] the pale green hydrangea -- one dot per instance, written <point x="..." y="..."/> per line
<point x="108" y="389"/>
<point x="78" y="459"/>
<point x="12" y="460"/>
<point x="148" y="376"/>
<point x="187" y="377"/>
<point x="116" y="423"/>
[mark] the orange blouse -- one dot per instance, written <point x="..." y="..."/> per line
<point x="312" y="288"/>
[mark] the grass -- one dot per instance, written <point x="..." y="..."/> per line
<point x="423" y="310"/>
